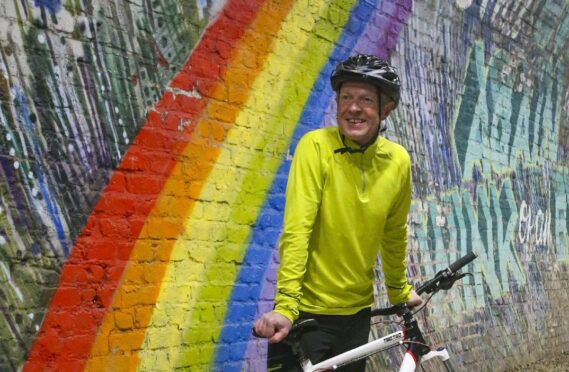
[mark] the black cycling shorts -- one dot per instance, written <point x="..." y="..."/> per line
<point x="335" y="334"/>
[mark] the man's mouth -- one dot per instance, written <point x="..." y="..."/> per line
<point x="356" y="121"/>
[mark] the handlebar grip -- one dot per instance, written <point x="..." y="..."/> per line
<point x="393" y="310"/>
<point x="463" y="261"/>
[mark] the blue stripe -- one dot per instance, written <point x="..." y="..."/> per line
<point x="242" y="306"/>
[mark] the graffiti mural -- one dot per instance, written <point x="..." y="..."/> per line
<point x="145" y="147"/>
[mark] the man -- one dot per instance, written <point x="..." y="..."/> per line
<point x="347" y="198"/>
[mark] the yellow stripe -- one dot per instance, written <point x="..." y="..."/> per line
<point x="188" y="312"/>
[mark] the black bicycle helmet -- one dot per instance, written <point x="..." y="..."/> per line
<point x="368" y="69"/>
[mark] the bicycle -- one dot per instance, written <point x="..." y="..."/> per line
<point x="418" y="350"/>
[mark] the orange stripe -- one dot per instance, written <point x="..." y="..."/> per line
<point x="91" y="275"/>
<point x="122" y="330"/>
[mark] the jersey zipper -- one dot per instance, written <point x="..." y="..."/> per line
<point x="362" y="173"/>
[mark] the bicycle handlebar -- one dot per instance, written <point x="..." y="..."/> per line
<point x="463" y="261"/>
<point x="444" y="279"/>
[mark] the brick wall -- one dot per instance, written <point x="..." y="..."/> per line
<point x="145" y="148"/>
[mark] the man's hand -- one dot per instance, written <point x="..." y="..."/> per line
<point x="414" y="299"/>
<point x="273" y="326"/>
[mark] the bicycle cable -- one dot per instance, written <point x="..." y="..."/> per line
<point x="425" y="303"/>
<point x="387" y="322"/>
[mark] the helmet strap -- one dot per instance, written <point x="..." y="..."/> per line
<point x="381" y="128"/>
<point x="351" y="150"/>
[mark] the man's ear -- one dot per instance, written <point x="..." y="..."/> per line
<point x="386" y="109"/>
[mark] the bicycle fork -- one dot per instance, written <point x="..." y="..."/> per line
<point x="441" y="353"/>
<point x="417" y="349"/>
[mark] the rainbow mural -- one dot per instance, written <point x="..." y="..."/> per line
<point x="177" y="256"/>
<point x="191" y="192"/>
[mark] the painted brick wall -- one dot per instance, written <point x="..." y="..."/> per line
<point x="144" y="154"/>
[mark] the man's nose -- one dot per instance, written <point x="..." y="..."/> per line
<point x="354" y="106"/>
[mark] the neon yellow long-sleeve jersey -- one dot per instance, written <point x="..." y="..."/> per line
<point x="341" y="210"/>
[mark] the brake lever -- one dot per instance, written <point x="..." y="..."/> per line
<point x="449" y="281"/>
<point x="465" y="274"/>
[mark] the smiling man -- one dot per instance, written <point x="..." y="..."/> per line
<point x="347" y="199"/>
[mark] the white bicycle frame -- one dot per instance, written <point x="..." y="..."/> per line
<point x="395" y="339"/>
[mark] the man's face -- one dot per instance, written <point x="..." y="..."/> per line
<point x="358" y="111"/>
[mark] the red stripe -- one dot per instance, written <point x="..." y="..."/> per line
<point x="91" y="274"/>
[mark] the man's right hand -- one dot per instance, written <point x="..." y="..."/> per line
<point x="273" y="325"/>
